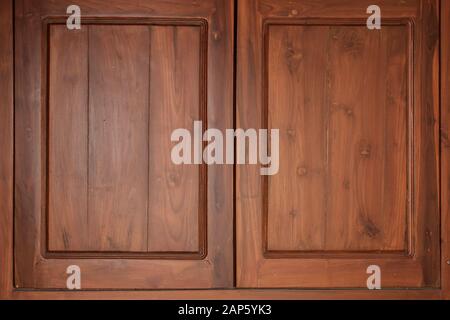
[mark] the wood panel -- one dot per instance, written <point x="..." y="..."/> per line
<point x="6" y="213"/>
<point x="345" y="145"/>
<point x="138" y="9"/>
<point x="118" y="138"/>
<point x="296" y="106"/>
<point x="358" y="150"/>
<point x="28" y="177"/>
<point x="88" y="128"/>
<point x="6" y="147"/>
<point x="109" y="147"/>
<point x="426" y="143"/>
<point x="368" y="149"/>
<point x="445" y="146"/>
<point x="175" y="204"/>
<point x="335" y="8"/>
<point x="235" y="294"/>
<point x="67" y="140"/>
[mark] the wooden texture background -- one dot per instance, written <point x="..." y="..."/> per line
<point x="7" y="290"/>
<point x="274" y="247"/>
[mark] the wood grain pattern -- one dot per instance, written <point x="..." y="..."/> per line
<point x="363" y="217"/>
<point x="368" y="148"/>
<point x="132" y="9"/>
<point x="6" y="183"/>
<point x="119" y="253"/>
<point x="28" y="144"/>
<point x="234" y="294"/>
<point x="118" y="142"/>
<point x="336" y="8"/>
<point x="296" y="106"/>
<point x="346" y="146"/>
<point x="175" y="82"/>
<point x="175" y="204"/>
<point x="445" y="146"/>
<point x="6" y="147"/>
<point x="426" y="143"/>
<point x="68" y="140"/>
<point x="220" y="114"/>
<point x="38" y="272"/>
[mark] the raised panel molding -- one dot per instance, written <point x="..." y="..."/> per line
<point x="315" y="107"/>
<point x="70" y="115"/>
<point x="384" y="170"/>
<point x="115" y="90"/>
<point x="43" y="281"/>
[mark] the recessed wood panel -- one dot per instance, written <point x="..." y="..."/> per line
<point x="68" y="140"/>
<point x="116" y="94"/>
<point x="357" y="109"/>
<point x="94" y="110"/>
<point x="118" y="137"/>
<point x="340" y="97"/>
<point x="7" y="147"/>
<point x="176" y="193"/>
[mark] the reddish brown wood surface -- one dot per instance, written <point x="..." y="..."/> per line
<point x="95" y="185"/>
<point x="221" y="179"/>
<point x="357" y="112"/>
<point x="346" y="143"/>
<point x="175" y="205"/>
<point x="100" y="151"/>
<point x="68" y="140"/>
<point x="235" y="294"/>
<point x="445" y="146"/>
<point x="6" y="148"/>
<point x="118" y="138"/>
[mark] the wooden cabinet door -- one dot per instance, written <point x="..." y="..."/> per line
<point x="95" y="186"/>
<point x="358" y="114"/>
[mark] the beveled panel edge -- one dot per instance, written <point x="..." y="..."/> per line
<point x="202" y="253"/>
<point x="298" y="254"/>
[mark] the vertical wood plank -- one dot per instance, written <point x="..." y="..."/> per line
<point x="29" y="172"/>
<point x="445" y="146"/>
<point x="426" y="143"/>
<point x="119" y="86"/>
<point x="118" y="138"/>
<point x="363" y="146"/>
<point x="6" y="147"/>
<point x="326" y="269"/>
<point x="297" y="59"/>
<point x="68" y="141"/>
<point x="248" y="182"/>
<point x="173" y="222"/>
<point x="343" y="149"/>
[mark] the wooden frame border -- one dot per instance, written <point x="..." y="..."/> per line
<point x="202" y="251"/>
<point x="6" y="147"/>
<point x="407" y="253"/>
<point x="6" y="199"/>
<point x="445" y="147"/>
